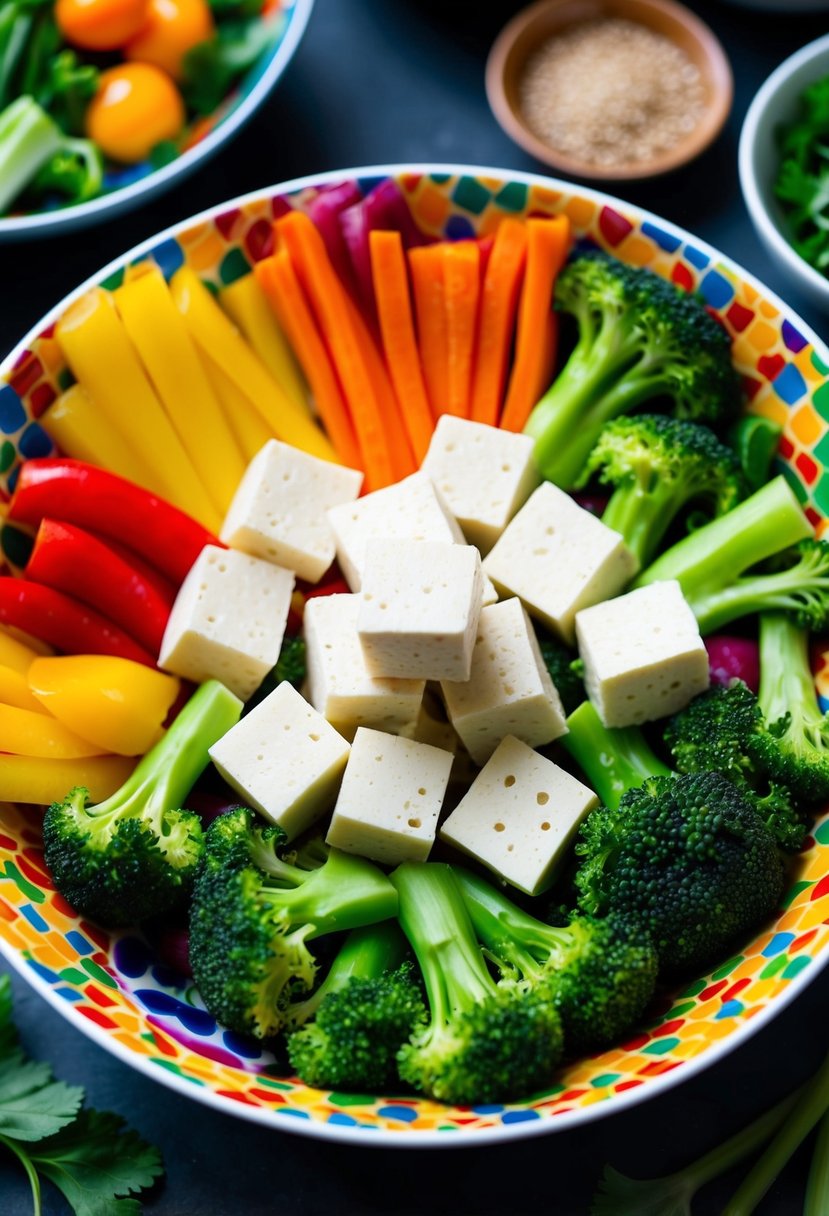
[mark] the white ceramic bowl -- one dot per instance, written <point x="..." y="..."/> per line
<point x="231" y="115"/>
<point x="776" y="103"/>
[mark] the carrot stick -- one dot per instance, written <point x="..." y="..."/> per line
<point x="394" y="307"/>
<point x="276" y="277"/>
<point x="547" y="245"/>
<point x="397" y="440"/>
<point x="329" y="302"/>
<point x="499" y="300"/>
<point x="426" y="267"/>
<point x="462" y="283"/>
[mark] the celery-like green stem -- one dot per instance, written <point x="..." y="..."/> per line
<point x="31" y="1173"/>
<point x="366" y="954"/>
<point x="816" y="1200"/>
<point x="346" y="892"/>
<point x="28" y="139"/>
<point x="787" y="685"/>
<point x="614" y="760"/>
<point x="507" y="930"/>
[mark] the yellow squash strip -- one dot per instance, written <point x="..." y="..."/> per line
<point x="37" y="734"/>
<point x="244" y="302"/>
<point x="16" y="654"/>
<point x="31" y="779"/>
<point x="158" y="331"/>
<point x="249" y="427"/>
<point x="216" y="335"/>
<point x="83" y="432"/>
<point x="14" y="690"/>
<point x="101" y="356"/>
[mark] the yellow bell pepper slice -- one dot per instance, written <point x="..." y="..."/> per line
<point x="118" y="705"/>
<point x="16" y="654"/>
<point x="14" y="690"/>
<point x="24" y="733"/>
<point x="246" y="304"/>
<point x="216" y="334"/>
<point x="158" y="331"/>
<point x="31" y="779"/>
<point x="249" y="427"/>
<point x="84" y="432"/>
<point x="94" y="343"/>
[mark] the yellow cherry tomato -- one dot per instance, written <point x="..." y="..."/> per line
<point x="100" y="25"/>
<point x="171" y="29"/>
<point x="136" y="107"/>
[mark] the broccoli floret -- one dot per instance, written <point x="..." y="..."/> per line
<point x="135" y="854"/>
<point x="787" y="698"/>
<point x="601" y="973"/>
<point x="612" y="758"/>
<point x="564" y="668"/>
<point x="724" y="730"/>
<point x="687" y="856"/>
<point x="482" y="1043"/>
<point x="714" y="565"/>
<point x="356" y="1022"/>
<point x="254" y="911"/>
<point x="659" y="466"/>
<point x="640" y="339"/>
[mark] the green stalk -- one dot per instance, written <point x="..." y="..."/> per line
<point x="496" y="919"/>
<point x="711" y="558"/>
<point x="816" y="1200"/>
<point x="614" y="760"/>
<point x="28" y="139"/>
<point x="643" y="514"/>
<point x="366" y="954"/>
<point x="31" y="1172"/>
<point x="345" y="893"/>
<point x="786" y="681"/>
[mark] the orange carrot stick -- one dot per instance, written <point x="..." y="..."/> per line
<point x="397" y="440"/>
<point x="394" y="308"/>
<point x="426" y="266"/>
<point x="499" y="301"/>
<point x="547" y="245"/>
<point x="329" y="303"/>
<point x="276" y="277"/>
<point x="462" y="284"/>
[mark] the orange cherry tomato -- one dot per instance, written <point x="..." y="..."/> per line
<point x="172" y="27"/>
<point x="136" y="107"/>
<point x="100" y="25"/>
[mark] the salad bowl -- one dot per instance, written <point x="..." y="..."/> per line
<point x="114" y="987"/>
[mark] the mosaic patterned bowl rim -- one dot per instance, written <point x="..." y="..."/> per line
<point x="795" y="956"/>
<point x="223" y="124"/>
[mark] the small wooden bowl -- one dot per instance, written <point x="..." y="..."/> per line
<point x="535" y="25"/>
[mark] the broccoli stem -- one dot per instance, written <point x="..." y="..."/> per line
<point x="642" y="514"/>
<point x="498" y="921"/>
<point x="816" y="1199"/>
<point x="433" y="916"/>
<point x="614" y="760"/>
<point x="346" y="892"/>
<point x="787" y="685"/>
<point x="810" y="1107"/>
<point x="707" y="562"/>
<point x="366" y="954"/>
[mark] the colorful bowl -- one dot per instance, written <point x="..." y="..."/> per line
<point x="111" y="986"/>
<point x="130" y="185"/>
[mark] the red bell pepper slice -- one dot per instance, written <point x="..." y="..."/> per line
<point x="63" y="622"/>
<point x="72" y="560"/>
<point x="80" y="493"/>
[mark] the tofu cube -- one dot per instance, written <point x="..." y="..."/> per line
<point x="643" y="654"/>
<point x="419" y="609"/>
<point x="280" y="511"/>
<point x="557" y="558"/>
<point x="519" y="816"/>
<point x="509" y="691"/>
<point x="390" y="798"/>
<point x="339" y="683"/>
<point x="228" y="620"/>
<point x="483" y="473"/>
<point x="284" y="759"/>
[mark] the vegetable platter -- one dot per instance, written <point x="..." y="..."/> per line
<point x="104" y="104"/>
<point x="129" y="990"/>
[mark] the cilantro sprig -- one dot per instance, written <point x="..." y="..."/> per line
<point x="91" y="1156"/>
<point x="802" y="181"/>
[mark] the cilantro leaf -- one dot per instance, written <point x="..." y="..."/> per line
<point x="95" y="1162"/>
<point x="211" y="68"/>
<point x="32" y="1105"/>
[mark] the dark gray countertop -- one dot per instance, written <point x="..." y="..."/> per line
<point x="377" y="81"/>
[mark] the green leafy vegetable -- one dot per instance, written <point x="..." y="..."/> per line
<point x="802" y="183"/>
<point x="212" y="67"/>
<point x="87" y="1154"/>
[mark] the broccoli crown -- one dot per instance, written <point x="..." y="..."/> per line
<point x="640" y="339"/>
<point x="253" y="914"/>
<point x="560" y="663"/>
<point x="135" y="855"/>
<point x="482" y="1043"/>
<point x="660" y="465"/>
<point x="690" y="858"/>
<point x="353" y="1042"/>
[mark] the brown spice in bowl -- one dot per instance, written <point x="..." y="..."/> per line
<point x="611" y="92"/>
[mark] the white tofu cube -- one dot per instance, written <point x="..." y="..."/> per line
<point x="339" y="683"/>
<point x="509" y="691"/>
<point x="419" y="609"/>
<point x="280" y="510"/>
<point x="557" y="558"/>
<point x="228" y="620"/>
<point x="484" y="474"/>
<point x="390" y="798"/>
<point x="519" y="816"/>
<point x="643" y="654"/>
<point x="284" y="759"/>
